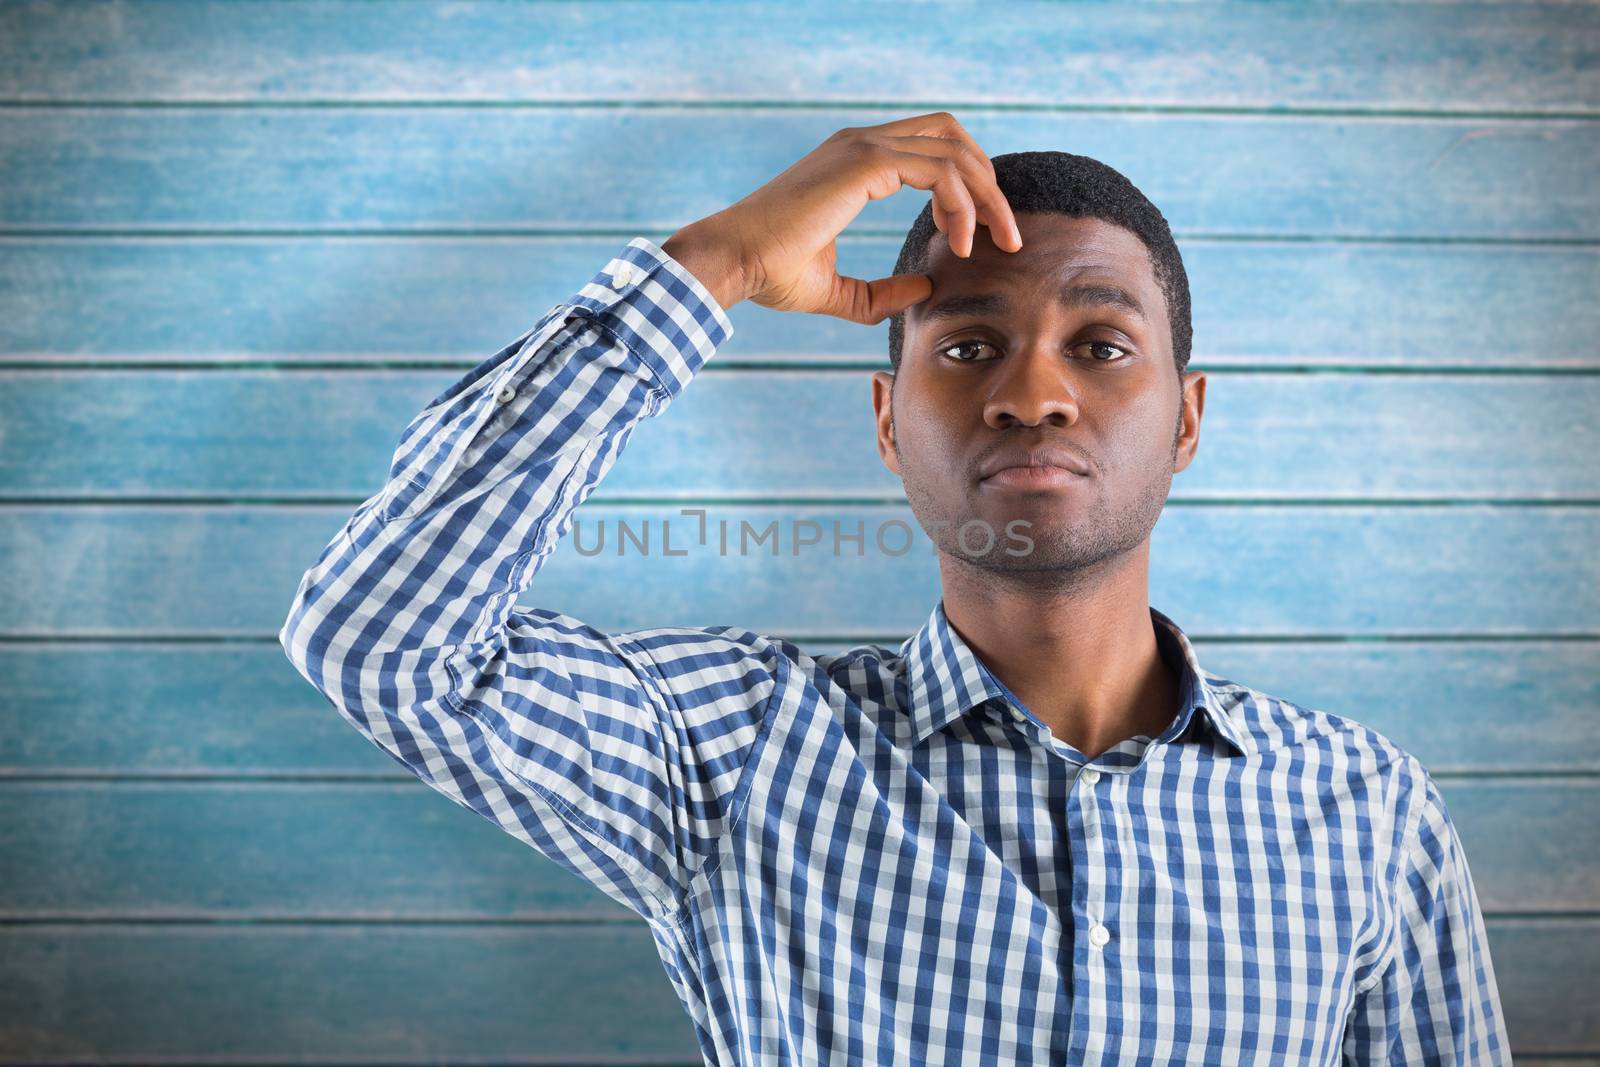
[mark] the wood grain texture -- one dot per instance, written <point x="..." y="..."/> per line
<point x="316" y="992"/>
<point x="398" y="299"/>
<point x="1439" y="58"/>
<point x="284" y="850"/>
<point x="475" y="169"/>
<point x="241" y="244"/>
<point x="328" y="434"/>
<point x="1467" y="571"/>
<point x="521" y="994"/>
<point x="240" y="710"/>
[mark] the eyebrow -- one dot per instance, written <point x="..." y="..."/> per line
<point x="1073" y="296"/>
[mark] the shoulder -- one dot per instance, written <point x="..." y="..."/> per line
<point x="1350" y="758"/>
<point x="1279" y="725"/>
<point x="1364" y="782"/>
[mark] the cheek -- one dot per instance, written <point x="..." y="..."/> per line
<point x="912" y="417"/>
<point x="1130" y="448"/>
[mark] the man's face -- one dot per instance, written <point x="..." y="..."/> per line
<point x="1031" y="370"/>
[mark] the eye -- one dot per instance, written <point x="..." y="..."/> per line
<point x="1106" y="344"/>
<point x="963" y="344"/>
<point x="1122" y="353"/>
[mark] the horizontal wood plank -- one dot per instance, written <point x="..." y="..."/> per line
<point x="1377" y="187"/>
<point x="161" y="708"/>
<point x="380" y="850"/>
<point x="427" y="298"/>
<point x="497" y="994"/>
<point x="499" y="170"/>
<point x="338" y="994"/>
<point x="1281" y="570"/>
<point x="113" y="433"/>
<point x="1439" y="57"/>
<point x="275" y="851"/>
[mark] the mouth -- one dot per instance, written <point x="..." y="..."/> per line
<point x="1037" y="466"/>
<point x="1043" y="476"/>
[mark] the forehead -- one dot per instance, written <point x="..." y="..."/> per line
<point x="1056" y="250"/>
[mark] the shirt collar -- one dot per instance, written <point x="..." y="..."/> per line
<point x="946" y="680"/>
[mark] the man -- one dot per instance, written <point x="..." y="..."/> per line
<point x="1038" y="832"/>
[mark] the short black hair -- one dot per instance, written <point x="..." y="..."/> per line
<point x="1061" y="183"/>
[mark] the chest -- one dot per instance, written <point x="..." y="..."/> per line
<point x="1168" y="896"/>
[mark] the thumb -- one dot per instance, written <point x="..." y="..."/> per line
<point x="871" y="302"/>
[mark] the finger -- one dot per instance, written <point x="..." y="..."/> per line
<point x="941" y="217"/>
<point x="1009" y="216"/>
<point x="944" y="124"/>
<point x="993" y="209"/>
<point x="871" y="302"/>
<point x="942" y="176"/>
<point x="936" y="124"/>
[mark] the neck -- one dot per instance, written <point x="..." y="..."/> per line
<point x="1081" y="655"/>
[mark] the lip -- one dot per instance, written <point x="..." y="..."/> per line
<point x="1040" y="465"/>
<point x="1033" y="477"/>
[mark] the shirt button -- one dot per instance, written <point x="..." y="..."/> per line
<point x="506" y="394"/>
<point x="622" y="277"/>
<point x="1099" y="935"/>
<point x="1091" y="775"/>
<point x="1018" y="714"/>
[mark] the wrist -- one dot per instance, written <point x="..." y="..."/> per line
<point x="712" y="259"/>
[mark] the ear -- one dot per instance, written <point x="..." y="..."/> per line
<point x="882" y="406"/>
<point x="1193" y="399"/>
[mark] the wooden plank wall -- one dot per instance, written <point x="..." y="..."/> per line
<point x="240" y="244"/>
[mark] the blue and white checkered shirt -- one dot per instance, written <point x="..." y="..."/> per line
<point x="878" y="856"/>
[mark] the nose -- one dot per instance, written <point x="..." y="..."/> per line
<point x="1034" y="385"/>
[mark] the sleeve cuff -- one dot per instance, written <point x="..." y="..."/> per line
<point x="662" y="312"/>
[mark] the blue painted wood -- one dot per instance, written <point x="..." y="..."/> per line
<point x="492" y="994"/>
<point x="1320" y="163"/>
<point x="233" y="850"/>
<point x="398" y="298"/>
<point x="327" y="434"/>
<point x="1547" y="1016"/>
<point x="408" y="169"/>
<point x="308" y="992"/>
<point x="383" y="850"/>
<point x="1282" y="570"/>
<point x="1469" y="705"/>
<point x="241" y="710"/>
<point x="1439" y="57"/>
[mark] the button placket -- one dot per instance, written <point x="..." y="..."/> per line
<point x="1099" y="933"/>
